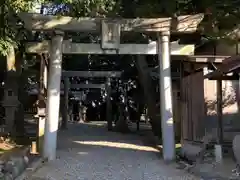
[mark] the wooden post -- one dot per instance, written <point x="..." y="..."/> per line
<point x="218" y="146"/>
<point x="219" y="112"/>
<point x="108" y="105"/>
<point x="42" y="104"/>
<point x="166" y="97"/>
<point x="65" y="109"/>
<point x="53" y="100"/>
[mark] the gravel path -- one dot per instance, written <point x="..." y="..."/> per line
<point x="90" y="152"/>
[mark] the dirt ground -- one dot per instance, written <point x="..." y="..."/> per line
<point x="5" y="147"/>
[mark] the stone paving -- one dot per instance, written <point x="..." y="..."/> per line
<point x="90" y="152"/>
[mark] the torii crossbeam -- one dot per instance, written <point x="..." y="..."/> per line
<point x="85" y="86"/>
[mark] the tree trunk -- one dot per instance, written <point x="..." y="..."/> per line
<point x="150" y="94"/>
<point x="121" y="124"/>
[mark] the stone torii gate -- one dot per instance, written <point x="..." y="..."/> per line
<point x="66" y="87"/>
<point x="110" y="43"/>
<point x="88" y="74"/>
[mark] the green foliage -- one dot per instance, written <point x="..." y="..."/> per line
<point x="19" y="5"/>
<point x="8" y="31"/>
<point x="222" y="18"/>
<point x="5" y="43"/>
<point x="91" y="8"/>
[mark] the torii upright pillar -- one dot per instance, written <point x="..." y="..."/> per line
<point x="65" y="102"/>
<point x="53" y="100"/>
<point x="166" y="96"/>
<point x="109" y="105"/>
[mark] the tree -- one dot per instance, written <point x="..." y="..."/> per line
<point x="9" y="34"/>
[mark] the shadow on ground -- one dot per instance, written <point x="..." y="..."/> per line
<point x="95" y="135"/>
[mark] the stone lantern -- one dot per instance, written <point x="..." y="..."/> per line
<point x="10" y="103"/>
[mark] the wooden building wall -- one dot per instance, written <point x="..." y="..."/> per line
<point x="199" y="97"/>
<point x="192" y="107"/>
<point x="198" y="107"/>
<point x="176" y="111"/>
